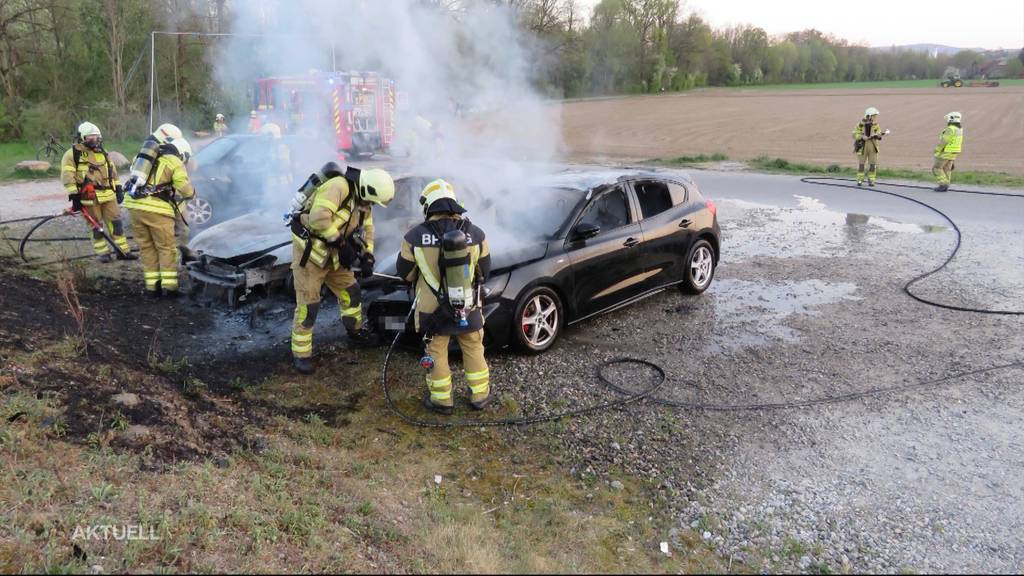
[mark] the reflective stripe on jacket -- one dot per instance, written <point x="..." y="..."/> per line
<point x="333" y="214"/>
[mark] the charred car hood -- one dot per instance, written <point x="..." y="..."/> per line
<point x="242" y="236"/>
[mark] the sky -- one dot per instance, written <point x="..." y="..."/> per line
<point x="977" y="24"/>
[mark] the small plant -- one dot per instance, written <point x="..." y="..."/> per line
<point x="119" y="422"/>
<point x="103" y="492"/>
<point x="68" y="291"/>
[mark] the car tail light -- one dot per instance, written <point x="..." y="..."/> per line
<point x="711" y="206"/>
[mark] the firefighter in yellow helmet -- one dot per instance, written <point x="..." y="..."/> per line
<point x="951" y="143"/>
<point x="332" y="235"/>
<point x="866" y="139"/>
<point x="449" y="260"/>
<point x="155" y="206"/>
<point x="92" y="184"/>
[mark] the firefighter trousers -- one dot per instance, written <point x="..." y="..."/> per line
<point x="943" y="171"/>
<point x="154" y="233"/>
<point x="309" y="280"/>
<point x="478" y="377"/>
<point x="868" y="155"/>
<point x="108" y="214"/>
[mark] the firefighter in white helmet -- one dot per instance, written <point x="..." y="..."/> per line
<point x="155" y="204"/>
<point x="220" y="126"/>
<point x="448" y="259"/>
<point x="951" y="143"/>
<point x="92" y="184"/>
<point x="866" y="139"/>
<point x="332" y="237"/>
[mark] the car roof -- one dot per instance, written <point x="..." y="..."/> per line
<point x="586" y="178"/>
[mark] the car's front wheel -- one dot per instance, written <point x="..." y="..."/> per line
<point x="700" y="267"/>
<point x="538" y="320"/>
<point x="199" y="211"/>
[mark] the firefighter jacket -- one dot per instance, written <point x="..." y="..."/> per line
<point x="418" y="261"/>
<point x="950" y="142"/>
<point x="81" y="165"/>
<point x="872" y="133"/>
<point x="220" y="128"/>
<point x="331" y="220"/>
<point x="168" y="183"/>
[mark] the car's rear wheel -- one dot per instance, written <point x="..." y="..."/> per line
<point x="538" y="320"/>
<point x="700" y="267"/>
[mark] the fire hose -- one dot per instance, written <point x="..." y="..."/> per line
<point x="632" y="396"/>
<point x="90" y="220"/>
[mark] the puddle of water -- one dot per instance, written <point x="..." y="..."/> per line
<point x="811" y="229"/>
<point x="754" y="313"/>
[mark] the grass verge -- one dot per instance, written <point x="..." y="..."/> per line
<point x="692" y="160"/>
<point x="781" y="165"/>
<point x="13" y="152"/>
<point x="868" y="85"/>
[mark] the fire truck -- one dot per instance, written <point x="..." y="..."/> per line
<point x="356" y="109"/>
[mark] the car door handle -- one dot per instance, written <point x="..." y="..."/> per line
<point x="685" y="223"/>
<point x="630" y="242"/>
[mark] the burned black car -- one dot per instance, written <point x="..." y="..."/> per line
<point x="615" y="237"/>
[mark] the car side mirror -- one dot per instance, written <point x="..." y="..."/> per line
<point x="585" y="230"/>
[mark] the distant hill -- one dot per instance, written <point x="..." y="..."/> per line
<point x="929" y="48"/>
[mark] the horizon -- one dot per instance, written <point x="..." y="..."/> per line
<point x="905" y="23"/>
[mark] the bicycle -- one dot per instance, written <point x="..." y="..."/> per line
<point x="51" y="150"/>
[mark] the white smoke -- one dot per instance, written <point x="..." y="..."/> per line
<point x="475" y="61"/>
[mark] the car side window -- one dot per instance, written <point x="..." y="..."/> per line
<point x="678" y="192"/>
<point x="654" y="197"/>
<point x="609" y="210"/>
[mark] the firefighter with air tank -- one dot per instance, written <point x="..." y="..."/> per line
<point x="448" y="259"/>
<point x="158" y="188"/>
<point x="331" y="220"/>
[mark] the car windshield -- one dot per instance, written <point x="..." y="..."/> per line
<point x="544" y="214"/>
<point x="215" y="151"/>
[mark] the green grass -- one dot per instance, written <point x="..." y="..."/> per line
<point x="691" y="160"/>
<point x="866" y="85"/>
<point x="13" y="152"/>
<point x="784" y="166"/>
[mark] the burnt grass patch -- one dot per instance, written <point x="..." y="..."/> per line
<point x="139" y="376"/>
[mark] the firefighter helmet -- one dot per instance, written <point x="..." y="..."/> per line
<point x="252" y="114"/>
<point x="376" y="185"/>
<point x="272" y="130"/>
<point x="183" y="147"/>
<point x="220" y="116"/>
<point x="872" y="111"/>
<point x="439" y="196"/>
<point x="87" y="129"/>
<point x="953" y="117"/>
<point x="166" y="133"/>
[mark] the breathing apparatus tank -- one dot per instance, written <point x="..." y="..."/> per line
<point x="142" y="167"/>
<point x="300" y="202"/>
<point x="458" y="274"/>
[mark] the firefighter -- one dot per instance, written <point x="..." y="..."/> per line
<point x="92" y="184"/>
<point x="280" y="165"/>
<point x="154" y="207"/>
<point x="951" y="143"/>
<point x="332" y="234"/>
<point x="220" y="126"/>
<point x="448" y="259"/>
<point x="254" y="123"/>
<point x="867" y="136"/>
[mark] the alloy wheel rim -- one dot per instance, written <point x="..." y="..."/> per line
<point x="540" y="320"/>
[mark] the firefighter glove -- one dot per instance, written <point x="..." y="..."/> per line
<point x="76" y="202"/>
<point x="366" y="263"/>
<point x="347" y="255"/>
<point x="119" y="192"/>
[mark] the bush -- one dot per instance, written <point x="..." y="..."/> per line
<point x="44" y="118"/>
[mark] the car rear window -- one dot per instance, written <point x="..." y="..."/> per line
<point x="654" y="197"/>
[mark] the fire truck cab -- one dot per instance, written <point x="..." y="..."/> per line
<point x="357" y="109"/>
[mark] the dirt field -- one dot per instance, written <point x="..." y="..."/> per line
<point x="806" y="125"/>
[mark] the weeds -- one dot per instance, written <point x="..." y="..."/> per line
<point x="69" y="293"/>
<point x="978" y="178"/>
<point x="691" y="160"/>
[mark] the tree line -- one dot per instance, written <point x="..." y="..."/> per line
<point x="62" y="61"/>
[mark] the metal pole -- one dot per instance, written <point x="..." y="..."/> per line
<point x="334" y="59"/>
<point x="152" y="76"/>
